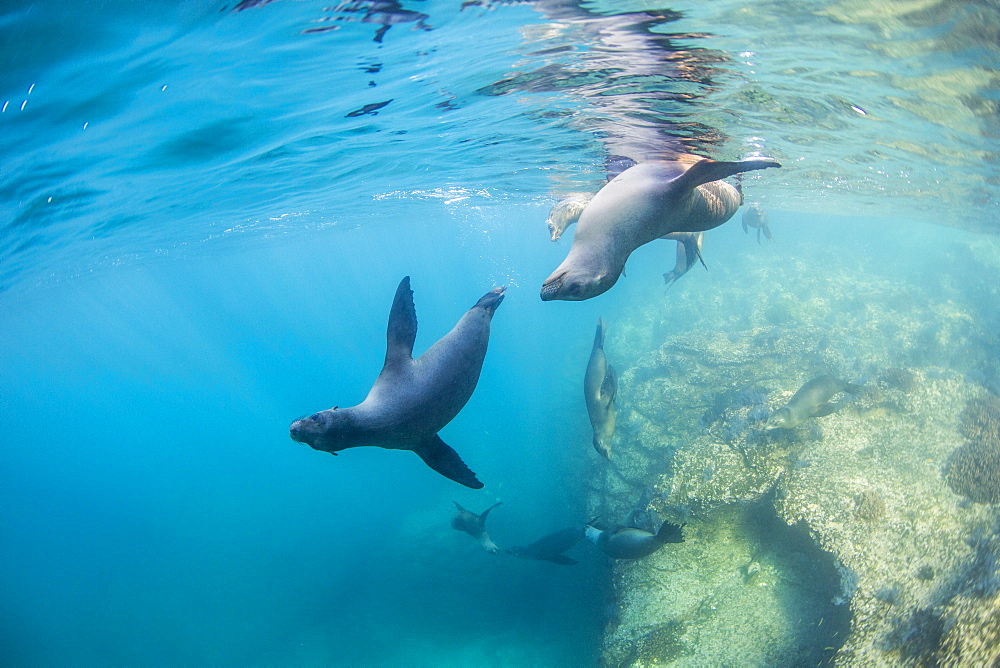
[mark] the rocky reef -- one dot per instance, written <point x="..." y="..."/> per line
<point x="863" y="538"/>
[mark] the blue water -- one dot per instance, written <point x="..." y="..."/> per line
<point x="201" y="243"/>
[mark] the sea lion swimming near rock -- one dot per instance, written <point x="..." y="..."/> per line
<point x="551" y="547"/>
<point x="412" y="399"/>
<point x="688" y="251"/>
<point x="475" y="526"/>
<point x="641" y="204"/>
<point x="756" y="217"/>
<point x="632" y="543"/>
<point x="812" y="400"/>
<point x="600" y="385"/>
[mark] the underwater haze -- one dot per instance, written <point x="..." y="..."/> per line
<point x="206" y="209"/>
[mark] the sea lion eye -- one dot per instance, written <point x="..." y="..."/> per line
<point x="314" y="417"/>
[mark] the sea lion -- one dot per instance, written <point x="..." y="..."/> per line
<point x="412" y="399"/>
<point x="475" y="525"/>
<point x="600" y="385"/>
<point x="632" y="543"/>
<point x="643" y="203"/>
<point x="688" y="251"/>
<point x="811" y="400"/>
<point x="565" y="213"/>
<point x="551" y="547"/>
<point x="754" y="216"/>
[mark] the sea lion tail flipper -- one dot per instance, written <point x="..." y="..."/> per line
<point x="599" y="334"/>
<point x="670" y="533"/>
<point x="827" y="409"/>
<point x="443" y="459"/>
<point x="402" y="329"/>
<point x="758" y="235"/>
<point x="706" y="170"/>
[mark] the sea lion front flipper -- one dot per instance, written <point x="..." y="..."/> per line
<point x="402" y="329"/>
<point x="609" y="386"/>
<point x="482" y="515"/>
<point x="706" y="171"/>
<point x="442" y="458"/>
<point x="696" y="246"/>
<point x="827" y="409"/>
<point x="562" y="560"/>
<point x="767" y="233"/>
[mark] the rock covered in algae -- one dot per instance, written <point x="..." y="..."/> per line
<point x="865" y="484"/>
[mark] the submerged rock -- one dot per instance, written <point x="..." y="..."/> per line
<point x="885" y="551"/>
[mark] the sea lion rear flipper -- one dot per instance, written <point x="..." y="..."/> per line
<point x="706" y="171"/>
<point x="670" y="533"/>
<point x="443" y="459"/>
<point x="599" y="334"/>
<point x="402" y="329"/>
<point x="827" y="409"/>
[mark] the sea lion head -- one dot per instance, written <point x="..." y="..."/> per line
<point x="576" y="284"/>
<point x="325" y="430"/>
<point x="780" y="419"/>
<point x="602" y="446"/>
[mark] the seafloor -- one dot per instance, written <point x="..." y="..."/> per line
<point x="863" y="538"/>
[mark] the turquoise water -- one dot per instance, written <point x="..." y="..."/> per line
<point x="205" y="214"/>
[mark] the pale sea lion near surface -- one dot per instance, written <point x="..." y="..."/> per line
<point x="551" y="547"/>
<point x="412" y="399"/>
<point x="632" y="543"/>
<point x="688" y="251"/>
<point x="565" y="213"/>
<point x="475" y="525"/>
<point x="754" y="216"/>
<point x="641" y="204"/>
<point x="810" y="401"/>
<point x="600" y="385"/>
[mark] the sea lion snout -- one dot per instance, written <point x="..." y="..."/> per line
<point x="492" y="299"/>
<point x="311" y="430"/>
<point x="575" y="288"/>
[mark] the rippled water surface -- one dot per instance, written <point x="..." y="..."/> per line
<point x="128" y="132"/>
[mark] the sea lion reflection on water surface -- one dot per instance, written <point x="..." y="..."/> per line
<point x="412" y="399"/>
